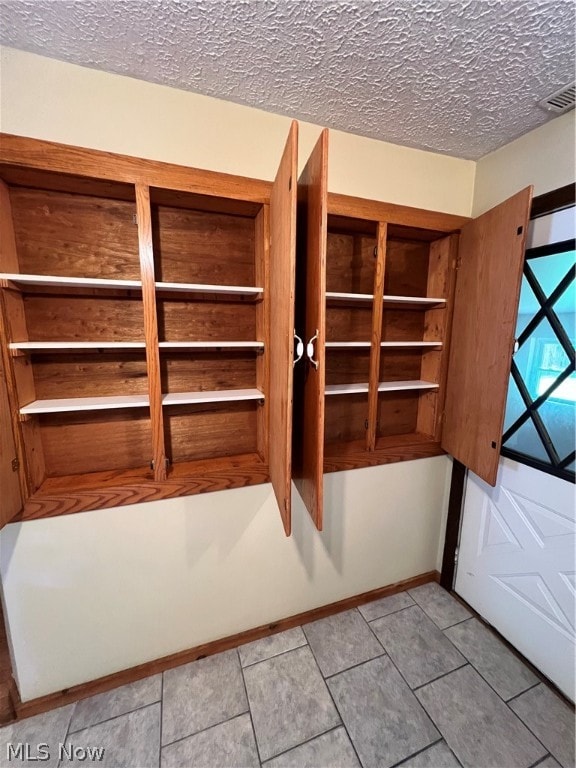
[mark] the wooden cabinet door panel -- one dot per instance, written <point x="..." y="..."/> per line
<point x="491" y="258"/>
<point x="281" y="350"/>
<point x="313" y="223"/>
<point x="10" y="495"/>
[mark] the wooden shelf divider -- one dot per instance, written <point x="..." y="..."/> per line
<point x="146" y="253"/>
<point x="383" y="344"/>
<point x="73" y="346"/>
<point x="377" y="312"/>
<point x="211" y="345"/>
<point x="225" y="290"/>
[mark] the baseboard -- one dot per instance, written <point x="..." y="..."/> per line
<point x="102" y="684"/>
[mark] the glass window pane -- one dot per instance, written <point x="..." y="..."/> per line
<point x="560" y="422"/>
<point x="541" y="359"/>
<point x="527" y="308"/>
<point x="549" y="270"/>
<point x="526" y="440"/>
<point x="514" y="405"/>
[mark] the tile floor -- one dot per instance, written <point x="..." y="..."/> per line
<point x="408" y="680"/>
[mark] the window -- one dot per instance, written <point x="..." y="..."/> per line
<point x="540" y="422"/>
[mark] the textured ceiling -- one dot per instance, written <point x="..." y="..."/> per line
<point x="454" y="76"/>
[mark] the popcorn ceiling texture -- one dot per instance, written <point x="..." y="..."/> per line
<point x="455" y="76"/>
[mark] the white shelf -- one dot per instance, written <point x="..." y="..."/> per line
<point x="216" y="396"/>
<point x="85" y="404"/>
<point x="225" y="290"/>
<point x="383" y="386"/>
<point x="366" y="344"/>
<point x="69" y="405"/>
<point x="53" y="281"/>
<point x="414" y="300"/>
<point x="48" y="346"/>
<point x="211" y="345"/>
<point x="419" y="301"/>
<point x="337" y="296"/>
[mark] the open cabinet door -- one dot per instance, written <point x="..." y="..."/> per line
<point x="311" y="299"/>
<point x="281" y="346"/>
<point x="491" y="258"/>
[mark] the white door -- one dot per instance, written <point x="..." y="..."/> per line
<point x="516" y="564"/>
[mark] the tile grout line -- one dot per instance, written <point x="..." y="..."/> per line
<point x="274" y="655"/>
<point x="376" y="618"/>
<point x="418" y="752"/>
<point x="419" y="703"/>
<point x="336" y="707"/>
<point x="456" y="624"/>
<point x="258" y="755"/>
<point x="67" y="731"/>
<point x="202" y="730"/>
<point x="444" y="674"/>
<point x="354" y="666"/>
<point x="539" y="762"/>
<point x="517" y="695"/>
<point x="301" y="744"/>
<point x="520" y="720"/>
<point x="115" y="717"/>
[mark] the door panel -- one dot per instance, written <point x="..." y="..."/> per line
<point x="485" y="309"/>
<point x="281" y="351"/>
<point x="516" y="564"/>
<point x="310" y="379"/>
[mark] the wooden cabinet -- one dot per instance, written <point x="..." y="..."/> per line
<point x="147" y="315"/>
<point x="409" y="317"/>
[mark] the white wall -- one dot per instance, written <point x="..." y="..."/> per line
<point x="544" y="157"/>
<point x="89" y="594"/>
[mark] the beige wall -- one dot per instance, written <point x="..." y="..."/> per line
<point x="93" y="593"/>
<point x="544" y="157"/>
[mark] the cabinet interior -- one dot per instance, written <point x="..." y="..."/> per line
<point x="398" y="363"/>
<point x="74" y="312"/>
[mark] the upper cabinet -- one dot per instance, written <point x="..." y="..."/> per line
<point x="408" y="318"/>
<point x="150" y="314"/>
<point x="147" y="328"/>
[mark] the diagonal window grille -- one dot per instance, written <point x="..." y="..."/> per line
<point x="540" y="423"/>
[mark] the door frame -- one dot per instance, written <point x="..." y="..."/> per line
<point x="556" y="200"/>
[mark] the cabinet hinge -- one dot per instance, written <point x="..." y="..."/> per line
<point x="456" y="553"/>
<point x="15" y="465"/>
<point x="458" y="262"/>
<point x="375" y="251"/>
<point x="134" y="219"/>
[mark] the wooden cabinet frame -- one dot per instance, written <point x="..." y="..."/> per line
<point x="68" y="200"/>
<point x="403" y="313"/>
<point x="460" y="346"/>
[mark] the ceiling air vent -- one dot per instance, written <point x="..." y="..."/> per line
<point x="560" y="101"/>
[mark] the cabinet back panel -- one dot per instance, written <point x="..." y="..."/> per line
<point x="200" y="247"/>
<point x="397" y="413"/>
<point x="349" y="323"/>
<point x="402" y="325"/>
<point x="88" y="375"/>
<point x="347" y="367"/>
<point x="350" y="263"/>
<point x="345" y="418"/>
<point x="206" y="321"/>
<point x="77" y="235"/>
<point x="207" y="431"/>
<point x="192" y="371"/>
<point x="77" y="443"/>
<point x="406" y="268"/>
<point x="400" y="365"/>
<point x="81" y="318"/>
